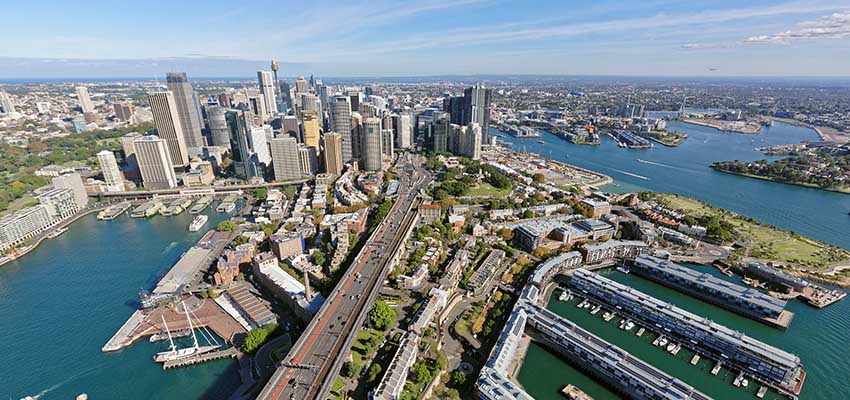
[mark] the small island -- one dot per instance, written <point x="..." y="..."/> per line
<point x="811" y="165"/>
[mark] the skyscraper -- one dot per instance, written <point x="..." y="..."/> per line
<point x="341" y="124"/>
<point x="6" y="106"/>
<point x="289" y="126"/>
<point x="85" y="100"/>
<point x="308" y="160"/>
<point x="267" y="90"/>
<point x="132" y="165"/>
<point x="238" y="125"/>
<point x="152" y="154"/>
<point x="258" y="145"/>
<point x="333" y="153"/>
<point x="188" y="110"/>
<point x="257" y="104"/>
<point x="357" y="134"/>
<point x="440" y="132"/>
<point x="168" y="127"/>
<point x="372" y="146"/>
<point x="301" y="85"/>
<point x="404" y="131"/>
<point x="285" y="158"/>
<point x="387" y="142"/>
<point x="310" y="125"/>
<point x="476" y="102"/>
<point x="111" y="173"/>
<point x="219" y="132"/>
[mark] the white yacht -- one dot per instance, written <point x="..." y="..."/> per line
<point x="197" y="223"/>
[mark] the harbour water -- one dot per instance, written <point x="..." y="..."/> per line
<point x="685" y="170"/>
<point x="819" y="337"/>
<point x="63" y="301"/>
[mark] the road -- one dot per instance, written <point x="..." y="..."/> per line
<point x="315" y="359"/>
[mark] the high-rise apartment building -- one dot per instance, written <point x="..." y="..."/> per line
<point x="85" y="100"/>
<point x="267" y="90"/>
<point x="372" y="145"/>
<point x="74" y="182"/>
<point x="111" y="173"/>
<point x="286" y="159"/>
<point x="341" y="124"/>
<point x="333" y="153"/>
<point x="168" y="127"/>
<point x="310" y="125"/>
<point x="188" y="110"/>
<point x="152" y="154"/>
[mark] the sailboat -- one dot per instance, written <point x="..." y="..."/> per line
<point x="176" y="354"/>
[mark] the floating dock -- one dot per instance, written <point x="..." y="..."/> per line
<point x="201" y="205"/>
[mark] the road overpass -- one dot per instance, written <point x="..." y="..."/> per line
<point x="195" y="190"/>
<point x="316" y="358"/>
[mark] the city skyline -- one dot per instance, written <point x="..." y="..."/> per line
<point x="661" y="38"/>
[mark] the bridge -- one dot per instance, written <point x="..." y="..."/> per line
<point x="316" y="358"/>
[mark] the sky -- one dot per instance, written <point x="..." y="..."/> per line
<point x="214" y="38"/>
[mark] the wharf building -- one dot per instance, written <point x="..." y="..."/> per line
<point x="188" y="115"/>
<point x="765" y="363"/>
<point x="628" y="375"/>
<point x="746" y="301"/>
<point x="612" y="251"/>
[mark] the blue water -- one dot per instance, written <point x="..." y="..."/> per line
<point x="62" y="302"/>
<point x="685" y="170"/>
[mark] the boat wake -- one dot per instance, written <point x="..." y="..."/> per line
<point x="631" y="174"/>
<point x="642" y="161"/>
<point x="169" y="247"/>
<point x="60" y="384"/>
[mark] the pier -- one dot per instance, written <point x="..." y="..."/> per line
<point x="230" y="352"/>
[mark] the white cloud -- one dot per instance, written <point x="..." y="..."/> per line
<point x="834" y="26"/>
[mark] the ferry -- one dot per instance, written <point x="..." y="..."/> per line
<point x="623" y="269"/>
<point x="198" y="222"/>
<point x="113" y="211"/>
<point x="541" y="142"/>
<point x="147" y="209"/>
<point x="201" y="205"/>
<point x="226" y="207"/>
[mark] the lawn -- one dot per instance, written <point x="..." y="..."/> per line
<point x="486" y="189"/>
<point x="765" y="241"/>
<point x="18" y="204"/>
<point x="361" y="346"/>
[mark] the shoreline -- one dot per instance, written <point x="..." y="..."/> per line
<point x="825" y="133"/>
<point x="718" y="126"/>
<point x="44" y="235"/>
<point x="769" y="179"/>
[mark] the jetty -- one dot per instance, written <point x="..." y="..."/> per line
<point x="114" y="211"/>
<point x="201" y="205"/>
<point x="230" y="352"/>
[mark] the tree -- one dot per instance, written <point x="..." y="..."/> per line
<point x="507" y="234"/>
<point x="352" y="369"/>
<point x="257" y="337"/>
<point x="317" y="258"/>
<point x="441" y="361"/>
<point x="374" y="372"/>
<point x="458" y="379"/>
<point x="538" y="178"/>
<point x="382" y="315"/>
<point x="421" y="372"/>
<point x="226" y="226"/>
<point x="540" y="252"/>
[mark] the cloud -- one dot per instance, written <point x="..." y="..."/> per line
<point x="704" y="46"/>
<point x="834" y="26"/>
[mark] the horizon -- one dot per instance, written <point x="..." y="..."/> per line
<point x="765" y="38"/>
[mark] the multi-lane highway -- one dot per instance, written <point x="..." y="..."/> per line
<point x="317" y="356"/>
